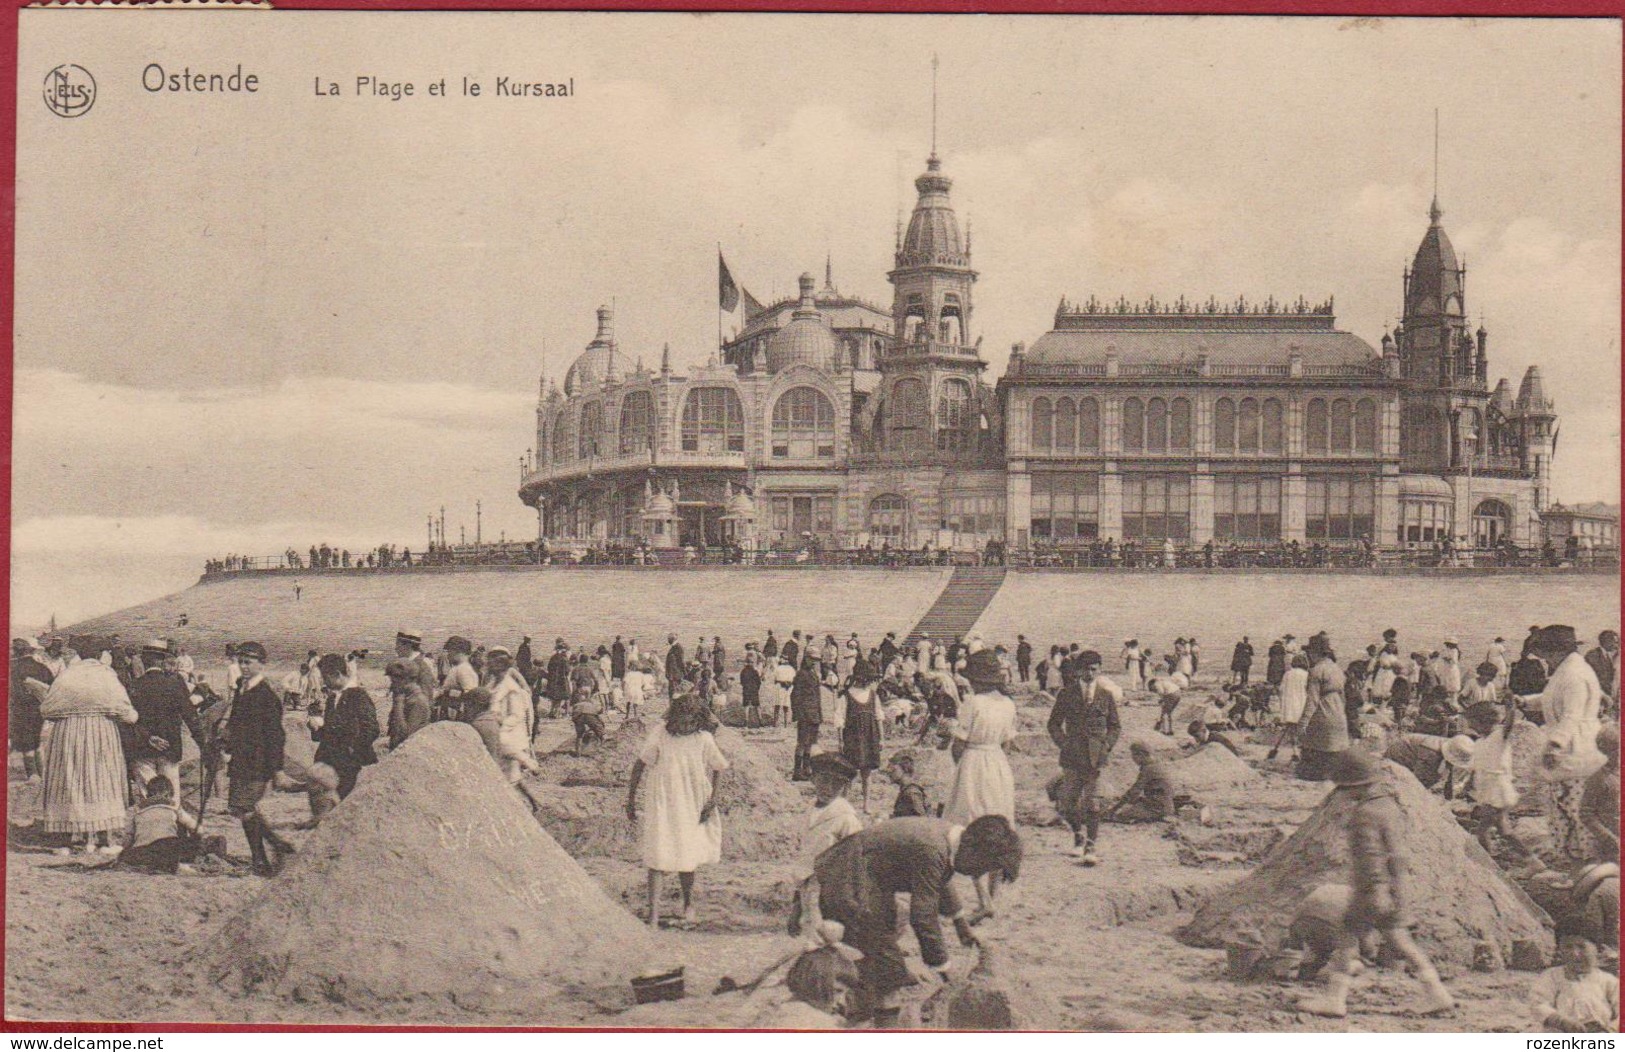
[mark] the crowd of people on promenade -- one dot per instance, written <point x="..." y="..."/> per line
<point x="99" y="725"/>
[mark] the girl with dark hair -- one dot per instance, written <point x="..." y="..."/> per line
<point x="860" y="738"/>
<point x="681" y="829"/>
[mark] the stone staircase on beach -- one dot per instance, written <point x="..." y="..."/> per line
<point x="969" y="590"/>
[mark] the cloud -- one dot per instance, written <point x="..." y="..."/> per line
<point x="370" y="458"/>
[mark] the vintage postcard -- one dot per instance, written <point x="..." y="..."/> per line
<point x="807" y="522"/>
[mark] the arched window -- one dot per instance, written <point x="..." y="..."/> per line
<point x="1089" y="425"/>
<point x="1043" y="425"/>
<point x="1314" y="427"/>
<point x="1156" y="426"/>
<point x="951" y="323"/>
<point x="1224" y="426"/>
<point x="592" y="422"/>
<point x="914" y="330"/>
<point x="803" y="424"/>
<point x="956" y="417"/>
<point x="1247" y="427"/>
<point x="564" y="439"/>
<point x="1365" y="426"/>
<point x="1274" y="427"/>
<point x="1342" y="426"/>
<point x="713" y="421"/>
<point x="637" y="422"/>
<point x="1066" y="425"/>
<point x="908" y="412"/>
<point x="1133" y="426"/>
<point x="888" y="517"/>
<point x="1179" y="425"/>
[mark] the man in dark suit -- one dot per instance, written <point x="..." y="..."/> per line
<point x="617" y="659"/>
<point x="344" y="724"/>
<point x="1241" y="662"/>
<point x="1604" y="661"/>
<point x="674" y="666"/>
<point x="1084" y="725"/>
<point x="558" y="677"/>
<point x="152" y="744"/>
<point x="255" y="740"/>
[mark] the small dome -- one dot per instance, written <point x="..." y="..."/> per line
<point x="740" y="506"/>
<point x="933" y="230"/>
<point x="659" y="506"/>
<point x="807" y="340"/>
<point x="600" y="362"/>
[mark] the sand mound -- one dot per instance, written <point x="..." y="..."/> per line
<point x="432" y="882"/>
<point x="986" y="999"/>
<point x="1458" y="896"/>
<point x="1210" y="768"/>
<point x="763" y="812"/>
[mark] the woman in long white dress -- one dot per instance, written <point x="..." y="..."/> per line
<point x="983" y="781"/>
<point x="681" y="829"/>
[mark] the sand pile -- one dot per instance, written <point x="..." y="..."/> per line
<point x="763" y="812"/>
<point x="1210" y="768"/>
<point x="432" y="883"/>
<point x="987" y="999"/>
<point x="1458" y="896"/>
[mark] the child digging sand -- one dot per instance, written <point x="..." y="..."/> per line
<point x="161" y="835"/>
<point x="912" y="801"/>
<point x="1379" y="878"/>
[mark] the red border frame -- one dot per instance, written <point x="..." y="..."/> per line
<point x="9" y="27"/>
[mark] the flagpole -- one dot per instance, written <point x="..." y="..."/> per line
<point x="719" y="309"/>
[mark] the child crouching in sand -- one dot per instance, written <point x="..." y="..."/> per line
<point x="161" y="836"/>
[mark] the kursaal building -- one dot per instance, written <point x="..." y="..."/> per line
<point x="829" y="419"/>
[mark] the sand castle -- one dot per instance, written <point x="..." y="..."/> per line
<point x="432" y="881"/>
<point x="1459" y="897"/>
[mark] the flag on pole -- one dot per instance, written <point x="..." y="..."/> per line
<point x="752" y="308"/>
<point x="727" y="290"/>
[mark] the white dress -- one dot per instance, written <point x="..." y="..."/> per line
<point x="983" y="781"/>
<point x="676" y="786"/>
<point x="1294" y="694"/>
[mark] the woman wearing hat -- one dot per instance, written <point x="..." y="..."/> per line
<point x="85" y="783"/>
<point x="860" y="737"/>
<point x="1571" y="705"/>
<point x="983" y="781"/>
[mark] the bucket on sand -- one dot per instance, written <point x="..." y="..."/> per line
<point x="666" y="985"/>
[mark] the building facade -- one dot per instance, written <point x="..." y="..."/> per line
<point x="830" y="420"/>
<point x="1594" y="527"/>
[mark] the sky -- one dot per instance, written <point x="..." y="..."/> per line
<point x="249" y="322"/>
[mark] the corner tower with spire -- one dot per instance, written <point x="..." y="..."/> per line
<point x="932" y="376"/>
<point x="1486" y="448"/>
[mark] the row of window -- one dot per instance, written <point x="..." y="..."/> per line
<point x="1247" y="509"/>
<point x="713" y="421"/>
<point x="1250" y="425"/>
<point x="803" y="423"/>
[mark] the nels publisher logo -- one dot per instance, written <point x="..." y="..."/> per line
<point x="70" y="90"/>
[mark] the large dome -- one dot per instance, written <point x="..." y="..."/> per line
<point x="807" y="340"/>
<point x="600" y="361"/>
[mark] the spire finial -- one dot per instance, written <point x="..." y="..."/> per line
<point x="829" y="270"/>
<point x="933" y="105"/>
<point x="1435" y="211"/>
